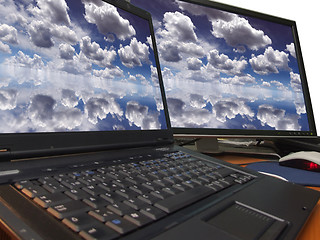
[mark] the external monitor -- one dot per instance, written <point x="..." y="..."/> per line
<point x="230" y="72"/>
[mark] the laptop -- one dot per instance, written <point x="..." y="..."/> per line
<point x="86" y="145"/>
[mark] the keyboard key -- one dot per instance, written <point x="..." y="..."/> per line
<point x="139" y="189"/>
<point x="99" y="232"/>
<point x="181" y="187"/>
<point x="223" y="172"/>
<point x="228" y="180"/>
<point x="45" y="180"/>
<point x="93" y="190"/>
<point x="126" y="193"/>
<point x="135" y="203"/>
<point x="221" y="184"/>
<point x="51" y="199"/>
<point x="54" y="186"/>
<point x="67" y="209"/>
<point x="101" y="177"/>
<point x="112" y="197"/>
<point x="160" y="194"/>
<point x="162" y="183"/>
<point x="148" y="198"/>
<point x="34" y="191"/>
<point x="120" y="225"/>
<point x="95" y="202"/>
<point x="190" y="183"/>
<point x="23" y="183"/>
<point x="113" y="175"/>
<point x="79" y="221"/>
<point x="72" y="183"/>
<point x="107" y="186"/>
<point x="152" y="212"/>
<point x="119" y="182"/>
<point x="171" y="190"/>
<point x="137" y="218"/>
<point x="88" y="180"/>
<point x="102" y="214"/>
<point x="77" y="194"/>
<point x="119" y="208"/>
<point x="182" y="199"/>
<point x="150" y="185"/>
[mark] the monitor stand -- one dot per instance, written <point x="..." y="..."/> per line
<point x="235" y="145"/>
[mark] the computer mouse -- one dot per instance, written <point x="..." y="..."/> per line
<point x="306" y="160"/>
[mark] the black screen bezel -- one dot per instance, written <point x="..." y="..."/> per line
<point x="217" y="132"/>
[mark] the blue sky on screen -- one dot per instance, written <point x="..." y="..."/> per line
<point x="76" y="66"/>
<point x="223" y="70"/>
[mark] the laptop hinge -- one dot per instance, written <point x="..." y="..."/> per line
<point x="5" y="155"/>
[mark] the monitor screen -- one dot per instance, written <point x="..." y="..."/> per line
<point x="230" y="71"/>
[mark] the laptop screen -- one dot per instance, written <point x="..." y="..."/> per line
<point x="76" y="66"/>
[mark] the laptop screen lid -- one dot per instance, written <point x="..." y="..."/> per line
<point x="78" y="74"/>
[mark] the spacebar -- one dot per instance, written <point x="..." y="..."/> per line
<point x="183" y="199"/>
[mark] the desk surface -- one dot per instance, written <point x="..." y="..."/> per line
<point x="311" y="230"/>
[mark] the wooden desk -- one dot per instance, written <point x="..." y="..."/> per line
<point x="311" y="230"/>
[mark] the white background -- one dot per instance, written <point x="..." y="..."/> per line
<point x="307" y="17"/>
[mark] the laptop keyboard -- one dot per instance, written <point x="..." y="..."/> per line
<point x="108" y="201"/>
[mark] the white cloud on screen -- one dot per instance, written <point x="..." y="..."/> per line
<point x="98" y="108"/>
<point x="99" y="56"/>
<point x="277" y="118"/>
<point x="177" y="37"/>
<point x="8" y="99"/>
<point x="134" y="54"/>
<point x="65" y="34"/>
<point x="69" y="98"/>
<point x="239" y="80"/>
<point x="79" y="64"/>
<point x="230" y="108"/>
<point x="291" y="50"/>
<point x="66" y="51"/>
<point x="141" y="116"/>
<point x="299" y="103"/>
<point x="224" y="64"/>
<point x="4" y="48"/>
<point x="54" y="11"/>
<point x="194" y="63"/>
<point x="8" y="34"/>
<point x="109" y="73"/>
<point x="182" y="115"/>
<point x="100" y="15"/>
<point x="211" y="14"/>
<point x="238" y="31"/>
<point x="43" y="113"/>
<point x="23" y="60"/>
<point x="295" y="82"/>
<point x="270" y="62"/>
<point x="179" y="26"/>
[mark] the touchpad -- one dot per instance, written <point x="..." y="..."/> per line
<point x="245" y="222"/>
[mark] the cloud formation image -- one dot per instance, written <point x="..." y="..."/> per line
<point x="225" y="70"/>
<point x="76" y="66"/>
